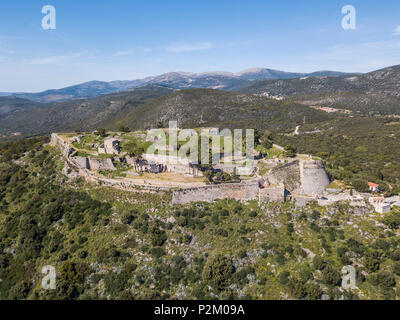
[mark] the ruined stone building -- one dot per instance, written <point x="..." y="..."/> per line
<point x="110" y="146"/>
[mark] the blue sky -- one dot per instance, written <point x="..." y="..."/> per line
<point x="129" y="39"/>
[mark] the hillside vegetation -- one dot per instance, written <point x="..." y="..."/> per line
<point x="355" y="149"/>
<point x="375" y="92"/>
<point x="143" y="108"/>
<point x="206" y="107"/>
<point x="112" y="244"/>
<point x="77" y="114"/>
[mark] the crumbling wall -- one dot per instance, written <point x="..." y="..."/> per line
<point x="101" y="164"/>
<point x="237" y="191"/>
<point x="80" y="162"/>
<point x="130" y="160"/>
<point x="314" y="179"/>
<point x="165" y="159"/>
<point x="287" y="174"/>
<point x="272" y="194"/>
<point x="58" y="142"/>
<point x="178" y="168"/>
<point x="229" y="168"/>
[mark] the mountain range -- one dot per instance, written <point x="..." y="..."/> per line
<point x="373" y="92"/>
<point x="178" y="80"/>
<point x="233" y="100"/>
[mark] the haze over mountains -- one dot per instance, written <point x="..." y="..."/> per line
<point x="218" y="98"/>
<point x="178" y="80"/>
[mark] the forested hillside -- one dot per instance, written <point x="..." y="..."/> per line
<point x="354" y="149"/>
<point x="110" y="244"/>
<point x="371" y="93"/>
<point x="145" y="107"/>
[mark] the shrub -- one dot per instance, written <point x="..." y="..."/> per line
<point x="395" y="256"/>
<point x="73" y="272"/>
<point x="186" y="238"/>
<point x="159" y="237"/>
<point x="222" y="232"/>
<point x="82" y="254"/>
<point x="242" y="254"/>
<point x="331" y="276"/>
<point x="218" y="271"/>
<point x="280" y="259"/>
<point x="130" y="267"/>
<point x="319" y="263"/>
<point x="157" y="252"/>
<point x="306" y="274"/>
<point x="385" y="279"/>
<point x="392" y="220"/>
<point x="313" y="291"/>
<point x="102" y="132"/>
<point x="396" y="268"/>
<point x="355" y="246"/>
<point x="127" y="218"/>
<point x="372" y="260"/>
<point x="115" y="283"/>
<point x="253" y="214"/>
<point x="284" y="277"/>
<point x="315" y="214"/>
<point x="297" y="288"/>
<point x="381" y="244"/>
<point x="20" y="291"/>
<point x="4" y="261"/>
<point x="52" y="212"/>
<point x="290" y="229"/>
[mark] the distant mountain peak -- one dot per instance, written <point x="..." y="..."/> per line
<point x="221" y="80"/>
<point x="250" y="70"/>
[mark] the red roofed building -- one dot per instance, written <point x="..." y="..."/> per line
<point x="373" y="187"/>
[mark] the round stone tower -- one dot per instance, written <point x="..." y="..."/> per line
<point x="313" y="177"/>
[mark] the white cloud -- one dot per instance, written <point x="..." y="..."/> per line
<point x="124" y="52"/>
<point x="147" y="49"/>
<point x="178" y="48"/>
<point x="129" y="52"/>
<point x="54" y="59"/>
<point x="396" y="31"/>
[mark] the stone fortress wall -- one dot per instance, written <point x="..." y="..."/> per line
<point x="298" y="176"/>
<point x="171" y="163"/>
<point x="237" y="191"/>
<point x="80" y="162"/>
<point x="287" y="174"/>
<point x="313" y="177"/>
<point x="272" y="194"/>
<point x="245" y="191"/>
<point x="64" y="146"/>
